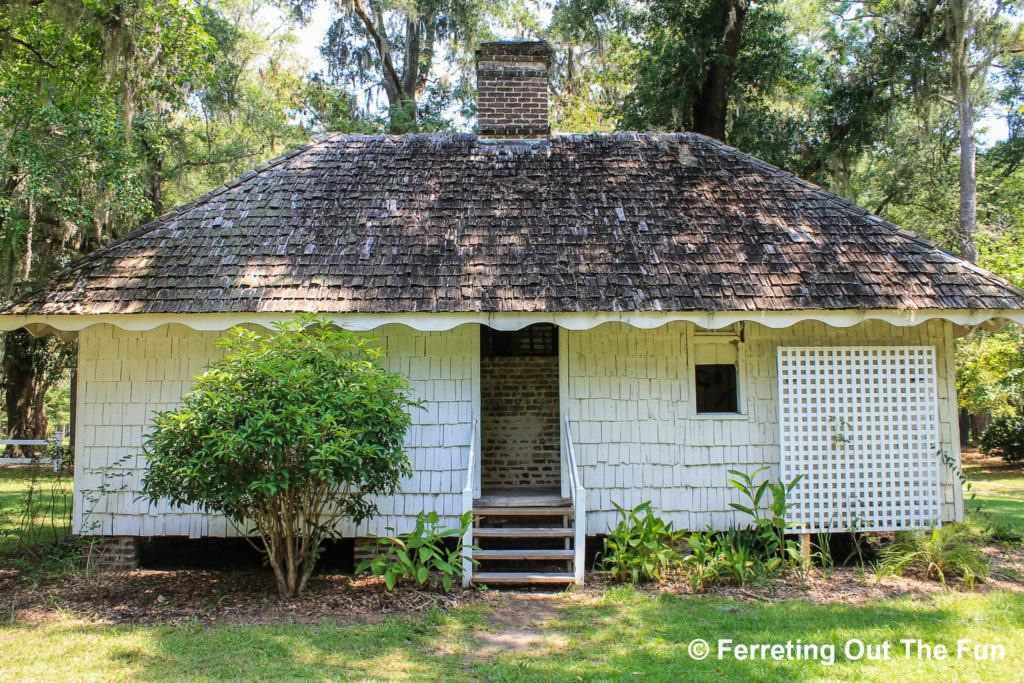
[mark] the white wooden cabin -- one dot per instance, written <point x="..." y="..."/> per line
<point x="590" y="320"/>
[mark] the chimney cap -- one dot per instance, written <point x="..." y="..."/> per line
<point x="524" y="48"/>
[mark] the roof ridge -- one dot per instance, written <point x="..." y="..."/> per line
<point x="849" y="205"/>
<point x="163" y="218"/>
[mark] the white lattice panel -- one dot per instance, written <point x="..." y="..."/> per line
<point x="860" y="423"/>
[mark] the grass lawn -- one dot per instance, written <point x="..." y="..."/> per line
<point x="1000" y="490"/>
<point x="617" y="635"/>
<point x="50" y="506"/>
<point x="623" y="635"/>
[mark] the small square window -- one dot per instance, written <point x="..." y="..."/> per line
<point x="716" y="388"/>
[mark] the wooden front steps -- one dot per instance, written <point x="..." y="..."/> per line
<point x="523" y="537"/>
<point x="523" y="511"/>
<point x="523" y="532"/>
<point x="523" y="554"/>
<point x="522" y="577"/>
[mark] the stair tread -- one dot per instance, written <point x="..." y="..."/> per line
<point x="523" y="577"/>
<point x="521" y="501"/>
<point x="522" y="511"/>
<point x="517" y="554"/>
<point x="523" y="532"/>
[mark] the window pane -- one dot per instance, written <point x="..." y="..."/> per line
<point x="540" y="339"/>
<point x="716" y="388"/>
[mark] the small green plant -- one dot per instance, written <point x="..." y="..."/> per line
<point x="772" y="528"/>
<point x="642" y="547"/>
<point x="739" y="562"/>
<point x="1004" y="437"/>
<point x="703" y="563"/>
<point x="735" y="557"/>
<point x="1002" y="532"/>
<point x="977" y="505"/>
<point x="824" y="555"/>
<point x="413" y="555"/>
<point x="842" y="428"/>
<point x="42" y="516"/>
<point x="939" y="551"/>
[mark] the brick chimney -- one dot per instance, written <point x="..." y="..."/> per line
<point x="512" y="89"/>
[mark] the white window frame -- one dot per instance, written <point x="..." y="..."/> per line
<point x="732" y="334"/>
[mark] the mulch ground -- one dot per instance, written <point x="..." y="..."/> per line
<point x="149" y="597"/>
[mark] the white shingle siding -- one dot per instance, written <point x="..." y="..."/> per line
<point x="126" y="376"/>
<point x="627" y="392"/>
<point x="637" y="435"/>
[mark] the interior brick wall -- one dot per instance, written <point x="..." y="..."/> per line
<point x="519" y="422"/>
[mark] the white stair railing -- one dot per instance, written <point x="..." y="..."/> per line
<point x="578" y="495"/>
<point x="468" y="494"/>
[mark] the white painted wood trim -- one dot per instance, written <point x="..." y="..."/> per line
<point x="563" y="398"/>
<point x="77" y="496"/>
<point x="468" y="494"/>
<point x="694" y="337"/>
<point x="580" y="538"/>
<point x="439" y="322"/>
<point x="477" y="435"/>
<point x="950" y="395"/>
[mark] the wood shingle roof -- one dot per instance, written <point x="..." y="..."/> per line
<point x="450" y="223"/>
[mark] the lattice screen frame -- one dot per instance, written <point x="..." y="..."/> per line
<point x="861" y="424"/>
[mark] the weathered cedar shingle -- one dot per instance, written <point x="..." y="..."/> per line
<point x="621" y="222"/>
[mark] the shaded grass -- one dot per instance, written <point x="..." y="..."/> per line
<point x="50" y="518"/>
<point x="624" y="635"/>
<point x="999" y="488"/>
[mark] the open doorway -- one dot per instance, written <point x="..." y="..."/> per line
<point x="519" y="413"/>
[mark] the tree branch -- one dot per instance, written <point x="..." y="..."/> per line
<point x="31" y="48"/>
<point x="390" y="75"/>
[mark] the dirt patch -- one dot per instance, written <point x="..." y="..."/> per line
<point x="974" y="462"/>
<point x="209" y="597"/>
<point x="521" y="623"/>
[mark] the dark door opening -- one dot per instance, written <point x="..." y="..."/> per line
<point x="519" y="417"/>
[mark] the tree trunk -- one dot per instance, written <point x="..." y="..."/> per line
<point x="968" y="179"/>
<point x="711" y="107"/>
<point x="965" y="428"/>
<point x="156" y="186"/>
<point x="959" y="52"/>
<point x="25" y="417"/>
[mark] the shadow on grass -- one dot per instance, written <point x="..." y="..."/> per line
<point x="392" y="648"/>
<point x="623" y="636"/>
<point x="641" y="638"/>
<point x="992" y="470"/>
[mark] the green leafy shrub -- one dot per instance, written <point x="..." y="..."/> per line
<point x="414" y="555"/>
<point x="702" y="564"/>
<point x="939" y="551"/>
<point x="742" y="556"/>
<point x="1004" y="437"/>
<point x="735" y="556"/>
<point x="288" y="434"/>
<point x="770" y="529"/>
<point x="642" y="547"/>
